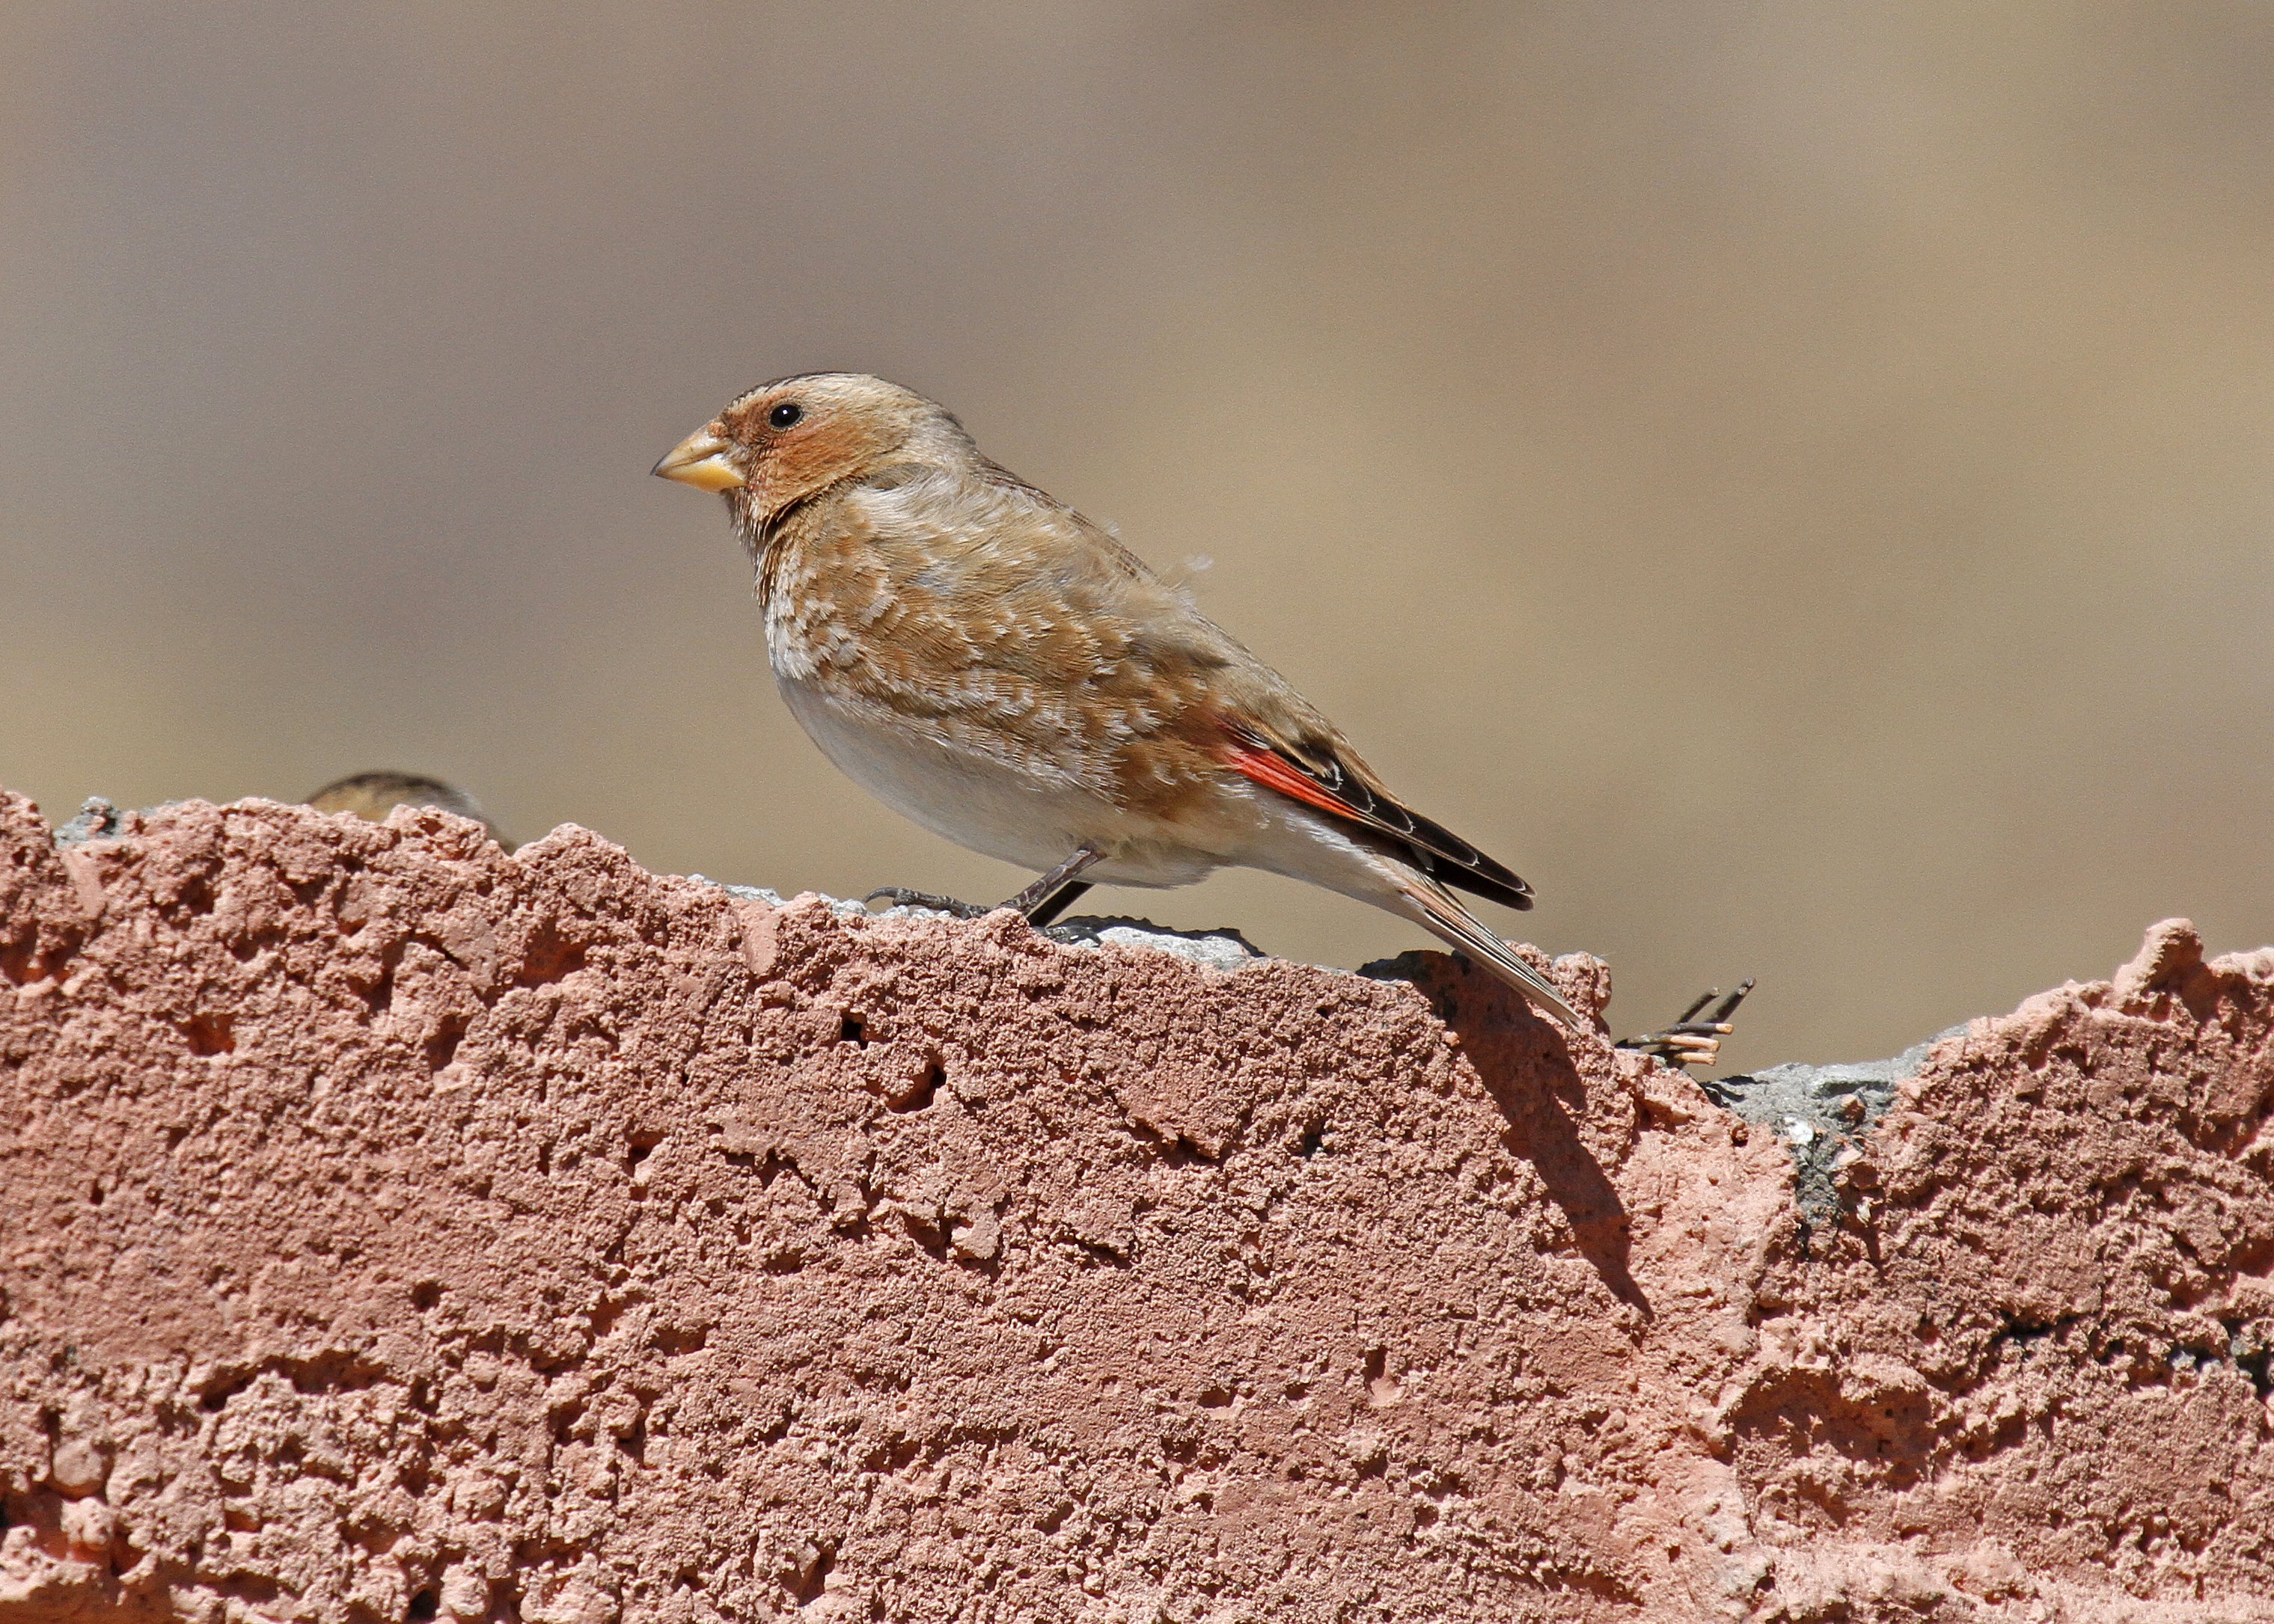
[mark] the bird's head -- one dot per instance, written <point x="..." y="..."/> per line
<point x="786" y="441"/>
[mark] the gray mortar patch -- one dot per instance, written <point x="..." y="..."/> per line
<point x="1223" y="950"/>
<point x="97" y="820"/>
<point x="1819" y="1112"/>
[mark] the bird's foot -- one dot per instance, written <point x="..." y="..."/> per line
<point x="1690" y="1041"/>
<point x="901" y="897"/>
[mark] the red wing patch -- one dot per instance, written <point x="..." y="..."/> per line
<point x="1436" y="849"/>
<point x="1275" y="771"/>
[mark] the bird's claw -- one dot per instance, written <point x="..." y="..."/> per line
<point x="1690" y="1041"/>
<point x="901" y="897"/>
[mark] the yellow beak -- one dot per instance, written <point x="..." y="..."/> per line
<point x="701" y="460"/>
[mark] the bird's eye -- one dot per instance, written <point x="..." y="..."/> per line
<point x="786" y="415"/>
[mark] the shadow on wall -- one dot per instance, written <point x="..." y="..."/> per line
<point x="1521" y="1058"/>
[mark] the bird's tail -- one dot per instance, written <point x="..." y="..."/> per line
<point x="1439" y="912"/>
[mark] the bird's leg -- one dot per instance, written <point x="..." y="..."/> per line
<point x="1047" y="897"/>
<point x="1048" y="911"/>
<point x="1042" y="902"/>
<point x="901" y="897"/>
<point x="1690" y="1041"/>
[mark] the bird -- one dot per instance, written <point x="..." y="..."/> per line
<point x="373" y="795"/>
<point x="1004" y="672"/>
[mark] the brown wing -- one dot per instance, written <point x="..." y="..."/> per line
<point x="1319" y="775"/>
<point x="982" y="616"/>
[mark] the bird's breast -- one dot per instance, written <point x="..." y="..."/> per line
<point x="822" y="610"/>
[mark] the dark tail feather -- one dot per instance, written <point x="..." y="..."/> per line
<point x="1438" y="911"/>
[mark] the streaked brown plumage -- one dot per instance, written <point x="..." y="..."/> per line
<point x="1001" y="670"/>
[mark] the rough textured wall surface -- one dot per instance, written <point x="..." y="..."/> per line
<point x="396" y="1228"/>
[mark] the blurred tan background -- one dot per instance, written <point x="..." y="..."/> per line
<point x="1794" y="482"/>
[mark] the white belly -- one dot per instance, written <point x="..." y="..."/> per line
<point x="985" y="804"/>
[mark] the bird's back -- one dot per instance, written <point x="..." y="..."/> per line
<point x="981" y="612"/>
